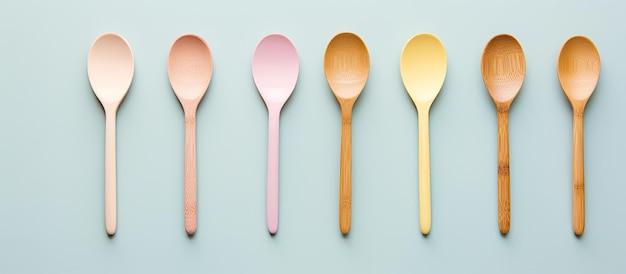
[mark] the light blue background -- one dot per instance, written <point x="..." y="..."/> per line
<point x="52" y="143"/>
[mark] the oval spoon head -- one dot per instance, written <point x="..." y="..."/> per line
<point x="578" y="68"/>
<point x="275" y="68"/>
<point x="189" y="67"/>
<point x="503" y="67"/>
<point x="423" y="66"/>
<point x="346" y="65"/>
<point x="110" y="68"/>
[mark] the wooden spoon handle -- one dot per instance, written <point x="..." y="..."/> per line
<point x="578" y="176"/>
<point x="504" y="196"/>
<point x="272" y="170"/>
<point x="190" y="173"/>
<point x="345" y="171"/>
<point x="424" y="173"/>
<point x="110" y="189"/>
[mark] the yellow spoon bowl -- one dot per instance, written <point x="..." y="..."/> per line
<point x="423" y="67"/>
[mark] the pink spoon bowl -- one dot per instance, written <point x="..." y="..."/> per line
<point x="275" y="68"/>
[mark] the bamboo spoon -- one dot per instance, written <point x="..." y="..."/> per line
<point x="503" y="68"/>
<point x="110" y="67"/>
<point x="275" y="68"/>
<point x="578" y="70"/>
<point x="189" y="67"/>
<point x="423" y="67"/>
<point x="346" y="66"/>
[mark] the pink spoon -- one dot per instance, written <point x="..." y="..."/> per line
<point x="275" y="68"/>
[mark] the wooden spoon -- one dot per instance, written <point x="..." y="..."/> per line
<point x="503" y="68"/>
<point x="189" y="67"/>
<point x="579" y="71"/>
<point x="423" y="67"/>
<point x="110" y="67"/>
<point x="275" y="68"/>
<point x="346" y="66"/>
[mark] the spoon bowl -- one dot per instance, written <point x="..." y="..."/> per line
<point x="423" y="67"/>
<point x="346" y="66"/>
<point x="190" y="67"/>
<point x="503" y="67"/>
<point x="578" y="69"/>
<point x="275" y="68"/>
<point x="110" y="69"/>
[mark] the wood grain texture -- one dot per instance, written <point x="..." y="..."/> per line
<point x="578" y="176"/>
<point x="504" y="177"/>
<point x="190" y="67"/>
<point x="346" y="67"/>
<point x="503" y="67"/>
<point x="345" y="168"/>
<point x="578" y="69"/>
<point x="190" y="188"/>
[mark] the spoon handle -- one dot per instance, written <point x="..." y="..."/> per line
<point x="424" y="172"/>
<point x="578" y="176"/>
<point x="190" y="173"/>
<point x="345" y="171"/>
<point x="504" y="179"/>
<point x="272" y="171"/>
<point x="110" y="189"/>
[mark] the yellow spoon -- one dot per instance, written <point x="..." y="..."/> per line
<point x="503" y="67"/>
<point x="578" y="70"/>
<point x="423" y="67"/>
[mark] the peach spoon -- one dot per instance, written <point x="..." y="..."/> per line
<point x="110" y="68"/>
<point x="189" y="67"/>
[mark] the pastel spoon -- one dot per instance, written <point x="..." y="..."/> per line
<point x="275" y="68"/>
<point x="346" y="66"/>
<point x="503" y="67"/>
<point x="578" y="70"/>
<point x="423" y="66"/>
<point x="189" y="67"/>
<point x="110" y="68"/>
